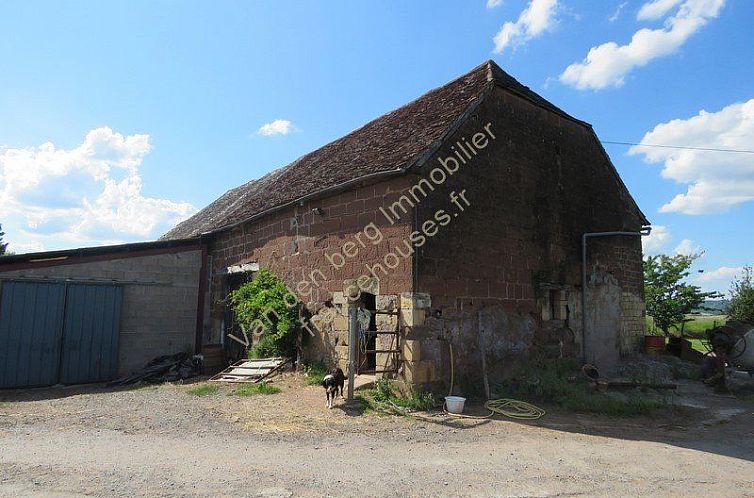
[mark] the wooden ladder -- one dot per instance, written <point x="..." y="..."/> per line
<point x="395" y="345"/>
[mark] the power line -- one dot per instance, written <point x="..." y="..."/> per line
<point x="740" y="151"/>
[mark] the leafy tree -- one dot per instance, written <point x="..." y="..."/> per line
<point x="3" y="247"/>
<point x="742" y="297"/>
<point x="668" y="297"/>
<point x="268" y="311"/>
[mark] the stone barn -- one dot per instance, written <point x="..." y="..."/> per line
<point x="460" y="218"/>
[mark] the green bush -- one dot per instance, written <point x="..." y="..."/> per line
<point x="742" y="297"/>
<point x="383" y="397"/>
<point x="315" y="373"/>
<point x="266" y="307"/>
<point x="667" y="295"/>
<point x="266" y="347"/>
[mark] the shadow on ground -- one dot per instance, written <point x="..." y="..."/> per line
<point x="706" y="421"/>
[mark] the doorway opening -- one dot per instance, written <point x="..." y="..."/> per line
<point x="368" y="337"/>
<point x="234" y="350"/>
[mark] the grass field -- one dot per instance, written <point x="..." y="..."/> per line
<point x="695" y="329"/>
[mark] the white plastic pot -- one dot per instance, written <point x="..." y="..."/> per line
<point x="454" y="404"/>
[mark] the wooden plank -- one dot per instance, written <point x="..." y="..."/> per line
<point x="233" y="381"/>
<point x="256" y="373"/>
<point x="274" y="370"/>
<point x="259" y="365"/>
<point x="248" y="371"/>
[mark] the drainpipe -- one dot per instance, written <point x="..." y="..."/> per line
<point x="645" y="230"/>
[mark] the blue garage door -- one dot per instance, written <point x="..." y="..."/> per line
<point x="90" y="336"/>
<point x="31" y="329"/>
<point x="58" y="333"/>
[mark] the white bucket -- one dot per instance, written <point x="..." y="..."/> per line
<point x="454" y="404"/>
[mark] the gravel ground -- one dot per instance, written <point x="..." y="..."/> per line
<point x="163" y="441"/>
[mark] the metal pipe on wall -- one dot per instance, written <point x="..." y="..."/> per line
<point x="646" y="230"/>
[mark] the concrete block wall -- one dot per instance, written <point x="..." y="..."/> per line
<point x="158" y="314"/>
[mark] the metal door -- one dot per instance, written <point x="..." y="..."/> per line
<point x="31" y="327"/>
<point x="90" y="335"/>
<point x="54" y="333"/>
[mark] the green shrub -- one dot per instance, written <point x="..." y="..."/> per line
<point x="742" y="297"/>
<point x="266" y="347"/>
<point x="667" y="295"/>
<point x="266" y="307"/>
<point x="315" y="373"/>
<point x="383" y="397"/>
<point x="253" y="389"/>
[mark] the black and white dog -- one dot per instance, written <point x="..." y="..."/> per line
<point x="332" y="381"/>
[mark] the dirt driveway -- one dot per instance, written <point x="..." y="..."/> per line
<point x="163" y="441"/>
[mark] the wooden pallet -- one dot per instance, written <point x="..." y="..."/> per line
<point x="250" y="371"/>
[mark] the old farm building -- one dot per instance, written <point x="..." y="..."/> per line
<point x="516" y="183"/>
<point x="462" y="214"/>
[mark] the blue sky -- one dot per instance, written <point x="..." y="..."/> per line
<point x="118" y="119"/>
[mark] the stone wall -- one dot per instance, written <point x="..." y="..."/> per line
<point x="503" y="257"/>
<point x="315" y="248"/>
<point x="539" y="185"/>
<point x="158" y="314"/>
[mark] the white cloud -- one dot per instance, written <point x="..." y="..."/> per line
<point x="651" y="11"/>
<point x="687" y="248"/>
<point x="617" y="12"/>
<point x="87" y="195"/>
<point x="31" y="246"/>
<point x="608" y="64"/>
<point x="656" y="241"/>
<point x="491" y="4"/>
<point x="535" y="20"/>
<point x="277" y="127"/>
<point x="659" y="239"/>
<point x="724" y="274"/>
<point x="717" y="180"/>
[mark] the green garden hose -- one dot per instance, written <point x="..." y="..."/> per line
<point x="512" y="408"/>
